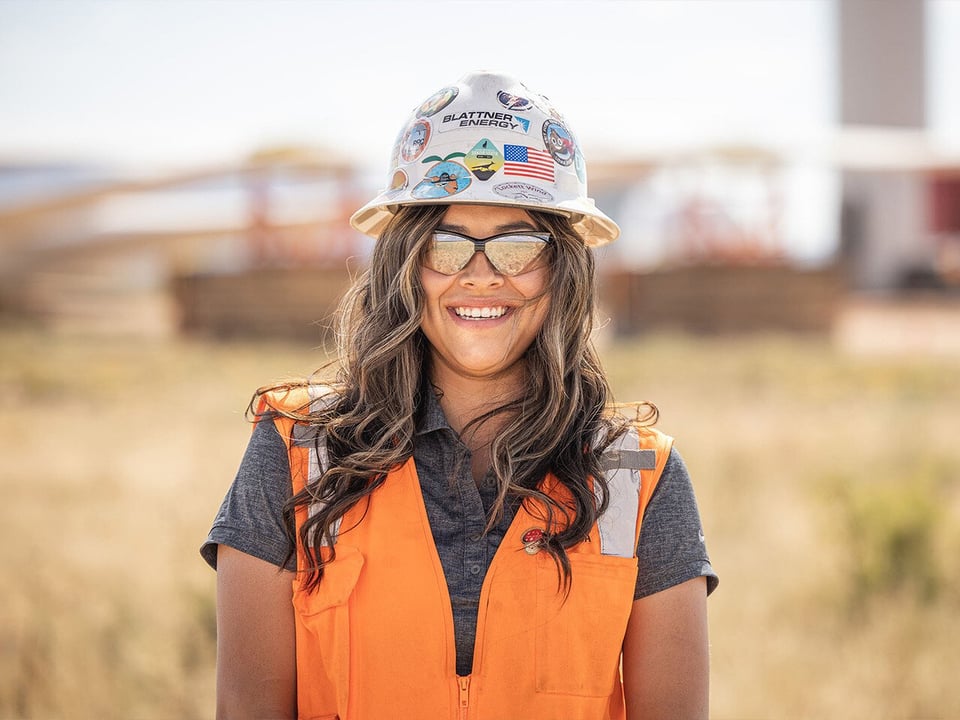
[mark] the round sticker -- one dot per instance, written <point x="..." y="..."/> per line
<point x="437" y="102"/>
<point x="513" y="102"/>
<point x="398" y="182"/>
<point x="442" y="180"/>
<point x="532" y="539"/>
<point x="559" y="141"/>
<point x="415" y="140"/>
<point x="580" y="165"/>
<point x="532" y="535"/>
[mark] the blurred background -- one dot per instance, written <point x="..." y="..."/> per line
<point x="175" y="184"/>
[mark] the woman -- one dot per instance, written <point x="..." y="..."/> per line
<point x="452" y="527"/>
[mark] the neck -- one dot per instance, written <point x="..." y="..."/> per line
<point x="464" y="399"/>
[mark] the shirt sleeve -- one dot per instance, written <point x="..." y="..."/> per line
<point x="251" y="515"/>
<point x="672" y="548"/>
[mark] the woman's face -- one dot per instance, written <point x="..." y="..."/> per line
<point x="479" y="322"/>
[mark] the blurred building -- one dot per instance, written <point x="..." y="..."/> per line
<point x="261" y="248"/>
<point x="95" y="252"/>
<point x="708" y="246"/>
<point x="715" y="239"/>
<point x="900" y="219"/>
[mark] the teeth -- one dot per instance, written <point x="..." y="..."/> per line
<point x="480" y="313"/>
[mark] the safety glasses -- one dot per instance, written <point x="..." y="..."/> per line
<point x="509" y="253"/>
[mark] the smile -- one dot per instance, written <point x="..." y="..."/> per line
<point x="480" y="313"/>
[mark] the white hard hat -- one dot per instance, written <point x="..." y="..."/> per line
<point x="488" y="140"/>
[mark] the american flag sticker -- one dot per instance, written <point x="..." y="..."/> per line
<point x="522" y="161"/>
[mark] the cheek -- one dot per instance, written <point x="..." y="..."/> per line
<point x="430" y="287"/>
<point x="537" y="309"/>
<point x="534" y="285"/>
<point x="543" y="310"/>
<point x="541" y="297"/>
<point x="433" y="286"/>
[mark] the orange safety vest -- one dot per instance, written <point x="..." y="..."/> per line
<point x="376" y="639"/>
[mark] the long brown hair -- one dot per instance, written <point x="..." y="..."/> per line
<point x="559" y="425"/>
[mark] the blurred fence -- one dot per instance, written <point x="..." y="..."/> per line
<point x="270" y="302"/>
<point x="293" y="302"/>
<point x="724" y="299"/>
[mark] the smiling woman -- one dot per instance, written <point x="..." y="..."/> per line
<point x="479" y="321"/>
<point x="457" y="525"/>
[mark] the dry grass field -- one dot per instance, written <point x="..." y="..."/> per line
<point x="829" y="486"/>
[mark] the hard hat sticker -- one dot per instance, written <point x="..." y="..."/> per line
<point x="581" y="166"/>
<point x="437" y="158"/>
<point x="442" y="180"/>
<point x="437" y="102"/>
<point x="398" y="182"/>
<point x="415" y="140"/>
<point x="487" y="138"/>
<point x="484" y="160"/>
<point x="484" y="118"/>
<point x="548" y="108"/>
<point x="522" y="191"/>
<point x="523" y="161"/>
<point x="559" y="141"/>
<point x="513" y="102"/>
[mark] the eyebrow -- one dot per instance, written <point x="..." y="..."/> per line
<point x="507" y="227"/>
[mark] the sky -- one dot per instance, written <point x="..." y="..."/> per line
<point x="180" y="82"/>
<point x="185" y="83"/>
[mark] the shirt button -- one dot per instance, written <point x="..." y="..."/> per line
<point x="474" y="569"/>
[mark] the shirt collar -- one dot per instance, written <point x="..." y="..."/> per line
<point x="432" y="417"/>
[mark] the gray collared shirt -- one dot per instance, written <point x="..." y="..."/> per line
<point x="457" y="510"/>
<point x="671" y="548"/>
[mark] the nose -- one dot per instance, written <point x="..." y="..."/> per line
<point x="480" y="272"/>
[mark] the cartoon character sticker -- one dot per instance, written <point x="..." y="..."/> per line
<point x="437" y="102"/>
<point x="442" y="180"/>
<point x="415" y="140"/>
<point x="484" y="160"/>
<point x="559" y="141"/>
<point x="513" y="102"/>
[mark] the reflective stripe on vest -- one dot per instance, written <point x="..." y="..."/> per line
<point x="315" y="439"/>
<point x="623" y="462"/>
<point x="376" y="638"/>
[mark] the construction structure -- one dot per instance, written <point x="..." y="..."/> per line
<point x="900" y="218"/>
<point x="178" y="253"/>
<point x="264" y="246"/>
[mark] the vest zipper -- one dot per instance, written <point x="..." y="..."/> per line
<point x="464" y="696"/>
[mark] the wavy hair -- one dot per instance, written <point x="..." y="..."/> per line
<point x="560" y="424"/>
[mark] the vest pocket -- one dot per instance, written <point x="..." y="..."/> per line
<point x="323" y="637"/>
<point x="579" y="638"/>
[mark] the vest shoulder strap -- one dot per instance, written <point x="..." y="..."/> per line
<point x="297" y="399"/>
<point x="633" y="465"/>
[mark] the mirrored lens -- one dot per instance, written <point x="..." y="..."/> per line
<point x="449" y="254"/>
<point x="510" y="254"/>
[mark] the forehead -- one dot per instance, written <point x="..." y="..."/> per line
<point x="485" y="220"/>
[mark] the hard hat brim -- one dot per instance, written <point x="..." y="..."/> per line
<point x="594" y="226"/>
